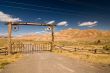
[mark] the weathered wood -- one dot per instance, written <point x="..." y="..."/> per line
<point x="31" y="24"/>
<point x="3" y="50"/>
<point x="30" y="47"/>
<point x="9" y="37"/>
<point x="52" y="34"/>
<point x="40" y="46"/>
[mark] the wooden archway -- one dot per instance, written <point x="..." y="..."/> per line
<point x="10" y="24"/>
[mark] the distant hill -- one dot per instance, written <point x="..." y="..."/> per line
<point x="70" y="34"/>
<point x="3" y="36"/>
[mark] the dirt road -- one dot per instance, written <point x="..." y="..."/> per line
<point x="46" y="62"/>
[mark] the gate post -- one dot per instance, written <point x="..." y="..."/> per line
<point x="52" y="40"/>
<point x="9" y="37"/>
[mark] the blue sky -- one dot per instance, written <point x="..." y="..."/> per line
<point x="72" y="11"/>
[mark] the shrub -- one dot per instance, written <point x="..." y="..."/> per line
<point x="106" y="47"/>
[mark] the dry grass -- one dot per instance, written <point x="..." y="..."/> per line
<point x="4" y="60"/>
<point x="3" y="42"/>
<point x="93" y="58"/>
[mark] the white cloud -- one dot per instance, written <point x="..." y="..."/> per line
<point x="41" y="32"/>
<point x="3" y="34"/>
<point x="39" y="18"/>
<point x="7" y="18"/>
<point x="89" y="24"/>
<point x="69" y="28"/>
<point x="63" y="23"/>
<point x="51" y="22"/>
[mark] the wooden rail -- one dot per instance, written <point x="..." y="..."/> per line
<point x="3" y="50"/>
<point x="94" y="51"/>
<point x="30" y="47"/>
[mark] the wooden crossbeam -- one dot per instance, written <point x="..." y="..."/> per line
<point x="32" y="24"/>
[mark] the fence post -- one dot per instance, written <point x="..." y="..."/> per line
<point x="52" y="34"/>
<point x="75" y="49"/>
<point x="9" y="37"/>
<point x="95" y="51"/>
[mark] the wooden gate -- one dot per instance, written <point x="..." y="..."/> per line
<point x="13" y="47"/>
<point x="30" y="46"/>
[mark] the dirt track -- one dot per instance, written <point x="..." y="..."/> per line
<point x="46" y="62"/>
